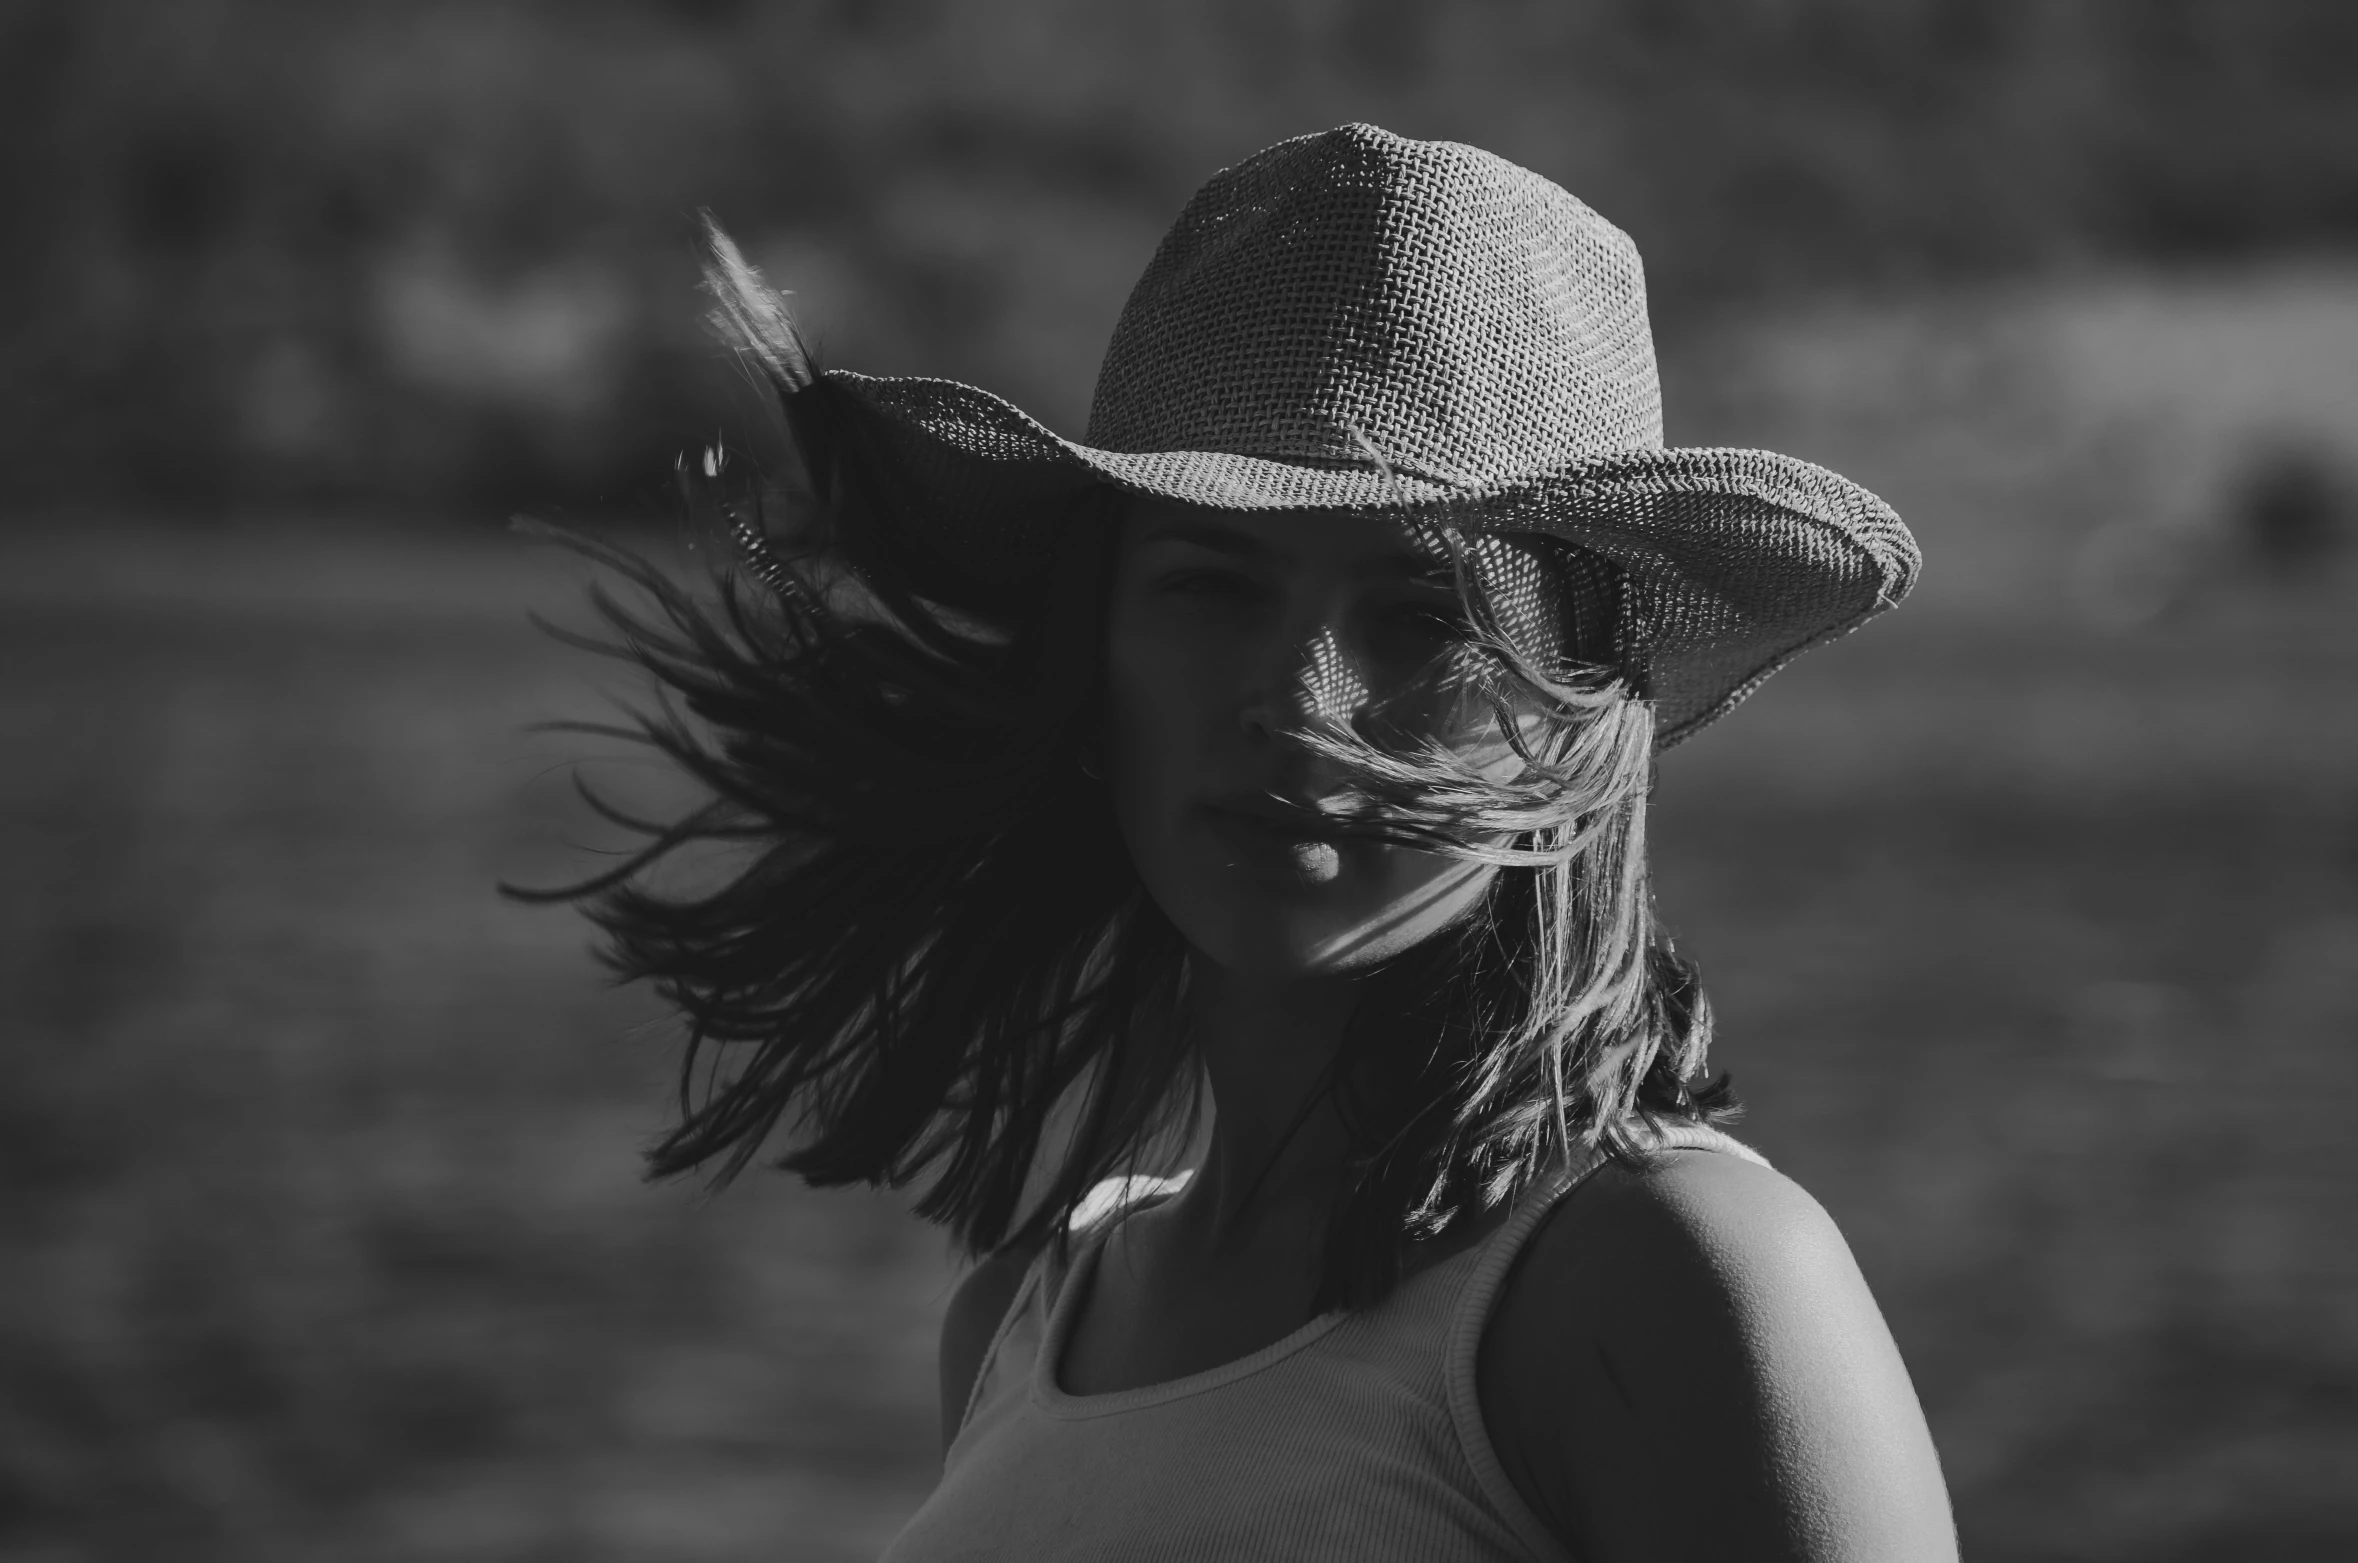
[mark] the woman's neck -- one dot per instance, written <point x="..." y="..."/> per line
<point x="1276" y="1150"/>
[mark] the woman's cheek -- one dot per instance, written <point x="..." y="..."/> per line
<point x="1148" y="732"/>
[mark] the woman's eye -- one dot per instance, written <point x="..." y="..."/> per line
<point x="1208" y="584"/>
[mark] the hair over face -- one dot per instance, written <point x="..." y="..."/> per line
<point x="931" y="963"/>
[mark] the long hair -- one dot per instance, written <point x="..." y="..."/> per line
<point x="931" y="962"/>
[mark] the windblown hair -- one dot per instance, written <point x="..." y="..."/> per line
<point x="931" y="962"/>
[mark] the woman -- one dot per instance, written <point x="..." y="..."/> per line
<point x="1283" y="750"/>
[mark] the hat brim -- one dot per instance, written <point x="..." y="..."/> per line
<point x="1734" y="561"/>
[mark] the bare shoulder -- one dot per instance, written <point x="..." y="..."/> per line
<point x="1697" y="1328"/>
<point x="977" y="1307"/>
<point x="1691" y="1214"/>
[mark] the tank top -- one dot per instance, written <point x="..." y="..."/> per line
<point x="1358" y="1436"/>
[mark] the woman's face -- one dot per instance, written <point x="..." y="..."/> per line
<point x="1224" y="634"/>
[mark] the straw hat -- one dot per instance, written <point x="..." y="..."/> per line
<point x="1356" y="321"/>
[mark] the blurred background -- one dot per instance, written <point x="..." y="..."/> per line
<point x="2031" y="914"/>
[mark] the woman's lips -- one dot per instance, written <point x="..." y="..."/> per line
<point x="1288" y="853"/>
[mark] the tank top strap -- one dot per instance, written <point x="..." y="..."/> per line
<point x="1024" y="1303"/>
<point x="1702" y="1137"/>
<point x="1480" y="1297"/>
<point x="1099" y="1211"/>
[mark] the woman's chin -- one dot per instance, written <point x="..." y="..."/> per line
<point x="1283" y="955"/>
<point x="1297" y="937"/>
<point x="1258" y="903"/>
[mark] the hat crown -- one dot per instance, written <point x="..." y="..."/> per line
<point x="1355" y="294"/>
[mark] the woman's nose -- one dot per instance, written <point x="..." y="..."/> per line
<point x="1310" y="679"/>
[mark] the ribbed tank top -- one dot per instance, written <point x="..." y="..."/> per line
<point x="1358" y="1436"/>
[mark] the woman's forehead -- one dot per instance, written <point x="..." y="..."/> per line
<point x="1356" y="543"/>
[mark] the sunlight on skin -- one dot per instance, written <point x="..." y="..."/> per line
<point x="1226" y="634"/>
<point x="1434" y="905"/>
<point x="1731" y="1293"/>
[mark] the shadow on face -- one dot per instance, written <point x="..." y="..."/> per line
<point x="1228" y="635"/>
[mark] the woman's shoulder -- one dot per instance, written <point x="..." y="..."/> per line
<point x="1695" y="1322"/>
<point x="1647" y="1259"/>
<point x="1116" y="1196"/>
<point x="1690" y="1213"/>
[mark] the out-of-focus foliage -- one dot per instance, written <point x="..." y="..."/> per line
<point x="419" y="253"/>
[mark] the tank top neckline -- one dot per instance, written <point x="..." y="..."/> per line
<point x="1413" y="1370"/>
<point x="1063" y="1314"/>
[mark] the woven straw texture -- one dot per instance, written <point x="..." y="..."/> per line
<point x="1356" y="321"/>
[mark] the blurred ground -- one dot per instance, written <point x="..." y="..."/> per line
<point x="2031" y="914"/>
<point x="324" y="1232"/>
